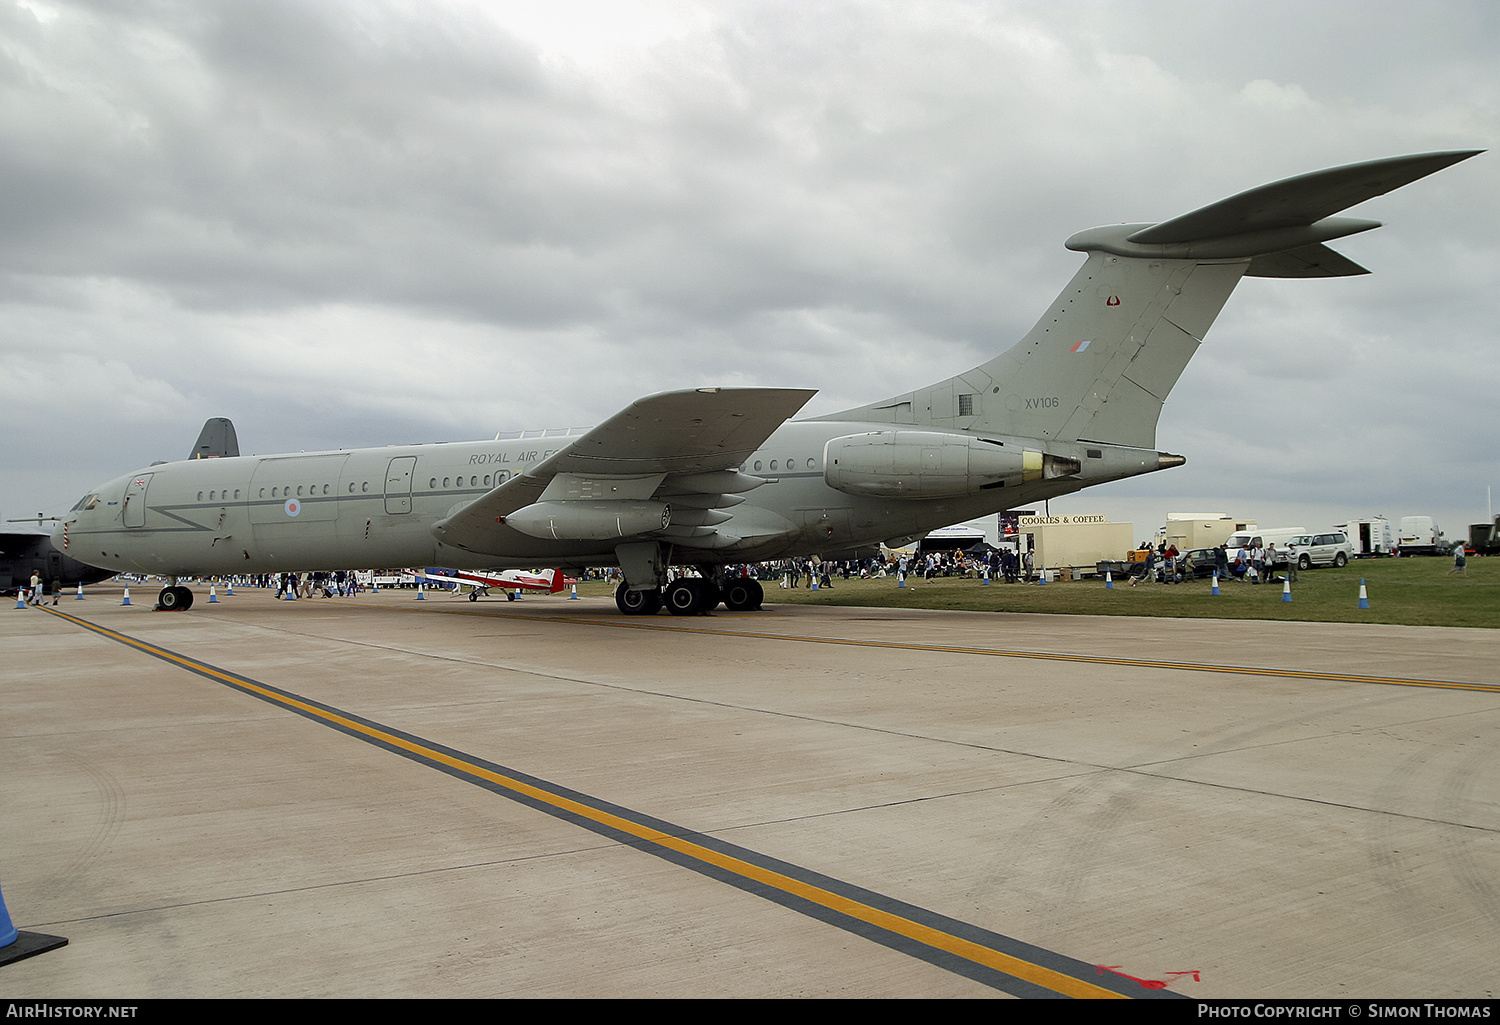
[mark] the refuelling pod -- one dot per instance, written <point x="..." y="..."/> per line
<point x="930" y="464"/>
<point x="589" y="521"/>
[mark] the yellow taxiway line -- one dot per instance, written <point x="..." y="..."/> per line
<point x="1057" y="982"/>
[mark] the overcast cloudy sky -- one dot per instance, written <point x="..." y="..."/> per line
<point x="345" y="224"/>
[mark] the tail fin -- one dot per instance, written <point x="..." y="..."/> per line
<point x="217" y="439"/>
<point x="557" y="580"/>
<point x="1100" y="362"/>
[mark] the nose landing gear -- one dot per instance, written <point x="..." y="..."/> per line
<point x="174" y="599"/>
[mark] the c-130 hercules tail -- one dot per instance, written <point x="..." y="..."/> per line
<point x="712" y="477"/>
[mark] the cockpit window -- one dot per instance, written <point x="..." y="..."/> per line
<point x="86" y="502"/>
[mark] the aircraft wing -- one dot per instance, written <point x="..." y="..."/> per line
<point x="682" y="442"/>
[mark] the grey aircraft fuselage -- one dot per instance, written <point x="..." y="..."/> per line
<point x="376" y="507"/>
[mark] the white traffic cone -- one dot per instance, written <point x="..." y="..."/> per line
<point x="1364" y="599"/>
<point x="213" y="595"/>
<point x="574" y="595"/>
<point x="1286" y="590"/>
<point x="420" y="595"/>
<point x="79" y="595"/>
<point x="127" y="597"/>
<point x="1109" y="581"/>
<point x="1216" y="583"/>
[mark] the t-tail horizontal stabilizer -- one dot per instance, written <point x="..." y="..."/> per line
<point x="1280" y="227"/>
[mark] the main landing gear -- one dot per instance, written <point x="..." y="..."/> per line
<point x="743" y="594"/>
<point x="691" y="596"/>
<point x="174" y="599"/>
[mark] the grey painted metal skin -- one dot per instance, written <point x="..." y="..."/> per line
<point x="715" y="476"/>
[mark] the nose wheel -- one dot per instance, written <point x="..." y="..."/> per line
<point x="174" y="599"/>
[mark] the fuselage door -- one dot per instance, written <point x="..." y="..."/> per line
<point x="133" y="508"/>
<point x="398" y="484"/>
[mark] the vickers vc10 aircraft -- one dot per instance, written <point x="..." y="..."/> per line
<point x="712" y="477"/>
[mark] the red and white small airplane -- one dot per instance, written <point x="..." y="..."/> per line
<point x="478" y="584"/>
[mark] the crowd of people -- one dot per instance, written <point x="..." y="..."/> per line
<point x="999" y="564"/>
<point x="1255" y="564"/>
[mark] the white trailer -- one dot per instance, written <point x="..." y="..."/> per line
<point x="1202" y="530"/>
<point x="1370" y="537"/>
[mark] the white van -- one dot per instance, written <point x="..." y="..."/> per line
<point x="1247" y="539"/>
<point x="1419" y="535"/>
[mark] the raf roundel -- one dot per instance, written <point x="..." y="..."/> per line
<point x="292" y="507"/>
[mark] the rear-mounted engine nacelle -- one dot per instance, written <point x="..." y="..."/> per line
<point x="931" y="464"/>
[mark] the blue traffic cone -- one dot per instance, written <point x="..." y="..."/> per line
<point x="900" y="579"/>
<point x="229" y="589"/>
<point x="420" y="595"/>
<point x="8" y="932"/>
<point x="1042" y="575"/>
<point x="17" y="946"/>
<point x="79" y="595"/>
<point x="1286" y="590"/>
<point x="574" y="595"/>
<point x="20" y="599"/>
<point x="1216" y="584"/>
<point x="1109" y="581"/>
<point x="1364" y="599"/>
<point x="213" y="594"/>
<point x="127" y="597"/>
